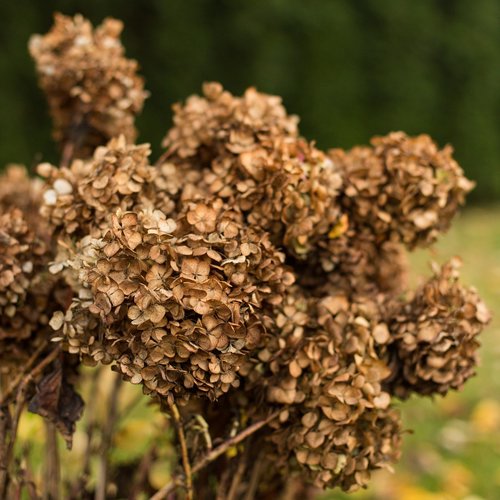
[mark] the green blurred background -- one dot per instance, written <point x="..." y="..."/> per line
<point x="349" y="69"/>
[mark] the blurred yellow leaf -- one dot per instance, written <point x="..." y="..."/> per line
<point x="232" y="451"/>
<point x="411" y="492"/>
<point x="31" y="428"/>
<point x="159" y="474"/>
<point x="457" y="480"/>
<point x="485" y="417"/>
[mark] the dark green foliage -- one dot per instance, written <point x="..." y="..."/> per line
<point x="349" y="69"/>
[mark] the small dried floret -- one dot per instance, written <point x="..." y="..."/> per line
<point x="402" y="188"/>
<point x="436" y="336"/>
<point x="93" y="90"/>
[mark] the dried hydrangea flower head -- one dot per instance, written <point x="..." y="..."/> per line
<point x="355" y="263"/>
<point x="28" y="294"/>
<point x="246" y="150"/>
<point x="218" y="123"/>
<point x="344" y="428"/>
<point x="324" y="369"/>
<point x="436" y="335"/>
<point x="180" y="299"/>
<point x="18" y="190"/>
<point x="402" y="189"/>
<point x="78" y="199"/>
<point x="93" y="90"/>
<point x="343" y="456"/>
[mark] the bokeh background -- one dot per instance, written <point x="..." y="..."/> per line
<point x="351" y="70"/>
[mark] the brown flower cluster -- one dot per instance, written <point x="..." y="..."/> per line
<point x="245" y="266"/>
<point x="92" y="89"/>
<point x="28" y="294"/>
<point x="402" y="189"/>
<point x="435" y="335"/>
<point x="181" y="300"/>
<point x="355" y="262"/>
<point x="322" y="366"/>
<point x="78" y="199"/>
<point x="246" y="151"/>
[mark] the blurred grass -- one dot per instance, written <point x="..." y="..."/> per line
<point x="454" y="452"/>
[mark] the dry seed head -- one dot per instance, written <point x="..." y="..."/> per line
<point x="436" y="335"/>
<point x="93" y="90"/>
<point x="28" y="294"/>
<point x="246" y="150"/>
<point x="402" y="188"/>
<point x="79" y="198"/>
<point x="180" y="299"/>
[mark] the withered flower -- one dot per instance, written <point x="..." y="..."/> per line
<point x="323" y="369"/>
<point x="93" y="90"/>
<point x="402" y="188"/>
<point x="246" y="150"/>
<point x="436" y="335"/>
<point x="80" y="197"/>
<point x="356" y="263"/>
<point x="246" y="272"/>
<point x="28" y="293"/>
<point x="179" y="300"/>
<point x="331" y="455"/>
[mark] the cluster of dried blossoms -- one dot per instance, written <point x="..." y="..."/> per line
<point x="93" y="90"/>
<point x="245" y="268"/>
<point x="29" y="294"/>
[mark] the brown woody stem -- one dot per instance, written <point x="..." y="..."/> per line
<point x="19" y="387"/>
<point x="52" y="473"/>
<point x="215" y="454"/>
<point x="186" y="464"/>
<point x="102" y="479"/>
<point x="13" y="386"/>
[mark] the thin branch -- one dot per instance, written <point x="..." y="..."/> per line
<point x="186" y="464"/>
<point x="102" y="478"/>
<point x="215" y="454"/>
<point x="141" y="475"/>
<point x="52" y="473"/>
<point x="67" y="153"/>
<point x="163" y="158"/>
<point x="205" y="431"/>
<point x="4" y="418"/>
<point x="91" y="424"/>
<point x="254" y="479"/>
<point x="13" y="386"/>
<point x="22" y="388"/>
<point x="77" y="487"/>
<point x="77" y="131"/>
<point x="238" y="475"/>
